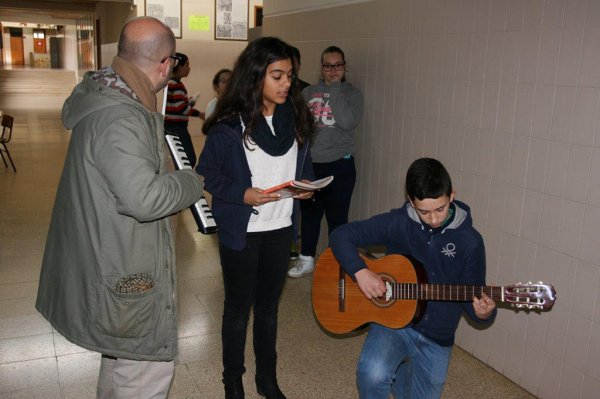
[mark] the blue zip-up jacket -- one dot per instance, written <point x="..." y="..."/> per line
<point x="227" y="176"/>
<point x="454" y="255"/>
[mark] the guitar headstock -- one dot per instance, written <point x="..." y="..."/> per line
<point x="530" y="296"/>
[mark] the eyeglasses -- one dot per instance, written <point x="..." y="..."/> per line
<point x="174" y="58"/>
<point x="338" y="67"/>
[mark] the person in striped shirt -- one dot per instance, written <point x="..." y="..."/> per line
<point x="180" y="107"/>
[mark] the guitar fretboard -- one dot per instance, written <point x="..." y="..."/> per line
<point x="442" y="292"/>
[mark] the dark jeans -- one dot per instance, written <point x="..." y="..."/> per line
<point x="333" y="201"/>
<point x="181" y="130"/>
<point x="253" y="276"/>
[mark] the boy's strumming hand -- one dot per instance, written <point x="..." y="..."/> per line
<point x="371" y="285"/>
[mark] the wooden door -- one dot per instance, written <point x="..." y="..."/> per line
<point x="16" y="50"/>
<point x="39" y="46"/>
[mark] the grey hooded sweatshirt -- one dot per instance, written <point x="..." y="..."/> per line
<point x="337" y="109"/>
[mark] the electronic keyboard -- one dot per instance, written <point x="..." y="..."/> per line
<point x="200" y="210"/>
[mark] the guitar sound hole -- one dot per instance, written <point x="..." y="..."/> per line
<point x="388" y="298"/>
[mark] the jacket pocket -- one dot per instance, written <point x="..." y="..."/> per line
<point x="125" y="315"/>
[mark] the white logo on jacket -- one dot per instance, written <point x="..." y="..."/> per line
<point x="449" y="250"/>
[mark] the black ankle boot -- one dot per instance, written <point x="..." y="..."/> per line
<point x="234" y="389"/>
<point x="267" y="387"/>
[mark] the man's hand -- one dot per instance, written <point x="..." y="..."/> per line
<point x="371" y="285"/>
<point x="483" y="306"/>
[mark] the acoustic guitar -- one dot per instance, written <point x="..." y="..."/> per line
<point x="340" y="306"/>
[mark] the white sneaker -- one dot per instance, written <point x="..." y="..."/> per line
<point x="304" y="265"/>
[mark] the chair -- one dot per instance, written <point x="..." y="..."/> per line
<point x="7" y="124"/>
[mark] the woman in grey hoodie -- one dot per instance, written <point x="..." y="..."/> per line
<point x="337" y="107"/>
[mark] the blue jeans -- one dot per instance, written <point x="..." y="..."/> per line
<point x="402" y="362"/>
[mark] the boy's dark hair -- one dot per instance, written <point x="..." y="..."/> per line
<point x="182" y="59"/>
<point x="243" y="95"/>
<point x="427" y="178"/>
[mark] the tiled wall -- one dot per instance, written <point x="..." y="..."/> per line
<point x="506" y="94"/>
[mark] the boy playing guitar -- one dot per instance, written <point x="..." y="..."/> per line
<point x="437" y="231"/>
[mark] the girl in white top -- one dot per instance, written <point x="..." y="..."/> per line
<point x="219" y="83"/>
<point x="257" y="138"/>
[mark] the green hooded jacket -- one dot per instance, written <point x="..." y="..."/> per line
<point x="110" y="221"/>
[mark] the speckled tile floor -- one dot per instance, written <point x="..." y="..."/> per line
<point x="36" y="362"/>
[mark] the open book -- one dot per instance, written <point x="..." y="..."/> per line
<point x="294" y="187"/>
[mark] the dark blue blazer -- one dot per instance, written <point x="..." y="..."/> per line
<point x="227" y="176"/>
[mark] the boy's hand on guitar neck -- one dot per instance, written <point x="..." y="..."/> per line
<point x="483" y="306"/>
<point x="371" y="285"/>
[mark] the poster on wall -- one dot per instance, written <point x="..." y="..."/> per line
<point x="168" y="11"/>
<point x="231" y="19"/>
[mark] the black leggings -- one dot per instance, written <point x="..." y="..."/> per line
<point x="333" y="201"/>
<point x="253" y="276"/>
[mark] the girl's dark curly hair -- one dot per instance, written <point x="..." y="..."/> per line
<point x="244" y="92"/>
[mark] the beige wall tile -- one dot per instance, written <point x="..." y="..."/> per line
<point x="593" y="195"/>
<point x="590" y="74"/>
<point x="571" y="45"/>
<point x="575" y="12"/>
<point x="549" y="220"/>
<point x="562" y="115"/>
<point x="556" y="168"/>
<point x="590" y="239"/>
<point x="593" y="360"/>
<point x="553" y="14"/>
<point x="571" y="221"/>
<point x="585" y="116"/>
<point x="542" y="111"/>
<point x="524" y="108"/>
<point x="532" y="213"/>
<point x="510" y="56"/>
<point x="525" y="263"/>
<point x="578" y="172"/>
<point x="513" y="209"/>
<point x="518" y="160"/>
<point x="571" y="382"/>
<point x="506" y="107"/>
<point x="528" y="61"/>
<point x="489" y="107"/>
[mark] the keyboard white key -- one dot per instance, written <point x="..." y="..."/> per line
<point x="200" y="210"/>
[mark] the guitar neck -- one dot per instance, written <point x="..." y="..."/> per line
<point x="445" y="292"/>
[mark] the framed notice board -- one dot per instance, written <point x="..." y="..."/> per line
<point x="231" y="19"/>
<point x="168" y="11"/>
